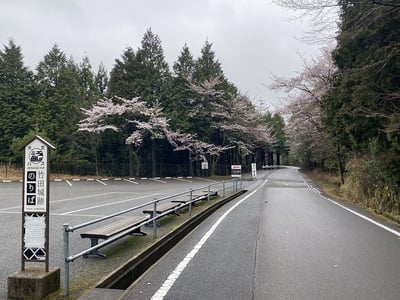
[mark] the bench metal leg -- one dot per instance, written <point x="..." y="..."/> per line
<point x="94" y="253"/>
<point x="151" y="217"/>
<point x="138" y="231"/>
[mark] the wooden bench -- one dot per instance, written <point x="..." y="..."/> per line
<point x="109" y="230"/>
<point x="163" y="208"/>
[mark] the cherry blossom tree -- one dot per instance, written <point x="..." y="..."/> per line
<point x="234" y="118"/>
<point x="309" y="139"/>
<point x="133" y="118"/>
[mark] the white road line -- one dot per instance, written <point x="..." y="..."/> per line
<point x="131" y="181"/>
<point x="70" y="199"/>
<point x="55" y="214"/>
<point x="106" y="204"/>
<point x="68" y="182"/>
<point x="181" y="179"/>
<point x="10" y="212"/>
<point x="13" y="207"/>
<point x="99" y="181"/>
<point x="157" y="180"/>
<point x="353" y="212"/>
<point x="367" y="219"/>
<point x="169" y="282"/>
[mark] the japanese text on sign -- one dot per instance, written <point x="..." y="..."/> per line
<point x="35" y="188"/>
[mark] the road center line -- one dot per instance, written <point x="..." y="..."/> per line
<point x="169" y="282"/>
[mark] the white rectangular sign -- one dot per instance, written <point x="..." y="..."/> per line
<point x="253" y="170"/>
<point x="35" y="231"/>
<point x="35" y="177"/>
<point x="236" y="170"/>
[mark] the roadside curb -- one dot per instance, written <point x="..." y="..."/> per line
<point x="123" y="277"/>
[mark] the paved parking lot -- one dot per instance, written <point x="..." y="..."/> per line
<point x="75" y="202"/>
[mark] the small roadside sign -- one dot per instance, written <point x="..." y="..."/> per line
<point x="253" y="170"/>
<point x="35" y="202"/>
<point x="204" y="165"/>
<point x="236" y="170"/>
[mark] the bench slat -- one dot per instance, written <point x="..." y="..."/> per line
<point x="116" y="227"/>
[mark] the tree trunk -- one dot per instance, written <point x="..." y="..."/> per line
<point x="341" y="168"/>
<point x="134" y="160"/>
<point x="190" y="164"/>
<point x="153" y="159"/>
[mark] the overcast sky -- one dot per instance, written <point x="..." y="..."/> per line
<point x="252" y="39"/>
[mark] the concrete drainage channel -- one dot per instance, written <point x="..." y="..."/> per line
<point x="122" y="278"/>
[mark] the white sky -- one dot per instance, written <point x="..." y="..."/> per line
<point x="252" y="39"/>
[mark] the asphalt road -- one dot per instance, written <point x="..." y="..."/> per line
<point x="75" y="202"/>
<point x="281" y="240"/>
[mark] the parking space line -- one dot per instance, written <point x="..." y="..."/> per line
<point x="13" y="207"/>
<point x="99" y="181"/>
<point x="157" y="180"/>
<point x="10" y="212"/>
<point x="181" y="179"/>
<point x="131" y="181"/>
<point x="107" y="204"/>
<point x="81" y="197"/>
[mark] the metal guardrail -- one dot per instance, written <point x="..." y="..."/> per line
<point x="234" y="185"/>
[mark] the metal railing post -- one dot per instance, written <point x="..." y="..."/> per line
<point x="154" y="218"/>
<point x="190" y="202"/>
<point x="209" y="196"/>
<point x="66" y="262"/>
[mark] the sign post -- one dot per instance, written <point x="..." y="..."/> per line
<point x="32" y="282"/>
<point x="35" y="202"/>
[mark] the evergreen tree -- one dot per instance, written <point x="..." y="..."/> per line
<point x="143" y="74"/>
<point x="185" y="65"/>
<point x="17" y="98"/>
<point x="178" y="105"/>
<point x="101" y="81"/>
<point x="87" y="82"/>
<point x="125" y="75"/>
<point x="207" y="66"/>
<point x="155" y="78"/>
<point x="48" y="71"/>
<point x="57" y="112"/>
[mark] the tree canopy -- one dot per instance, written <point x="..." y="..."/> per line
<point x="142" y="118"/>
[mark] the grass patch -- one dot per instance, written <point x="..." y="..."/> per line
<point x="8" y="172"/>
<point x="329" y="184"/>
<point x="331" y="187"/>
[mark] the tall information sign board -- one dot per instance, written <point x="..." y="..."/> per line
<point x="253" y="171"/>
<point x="35" y="202"/>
